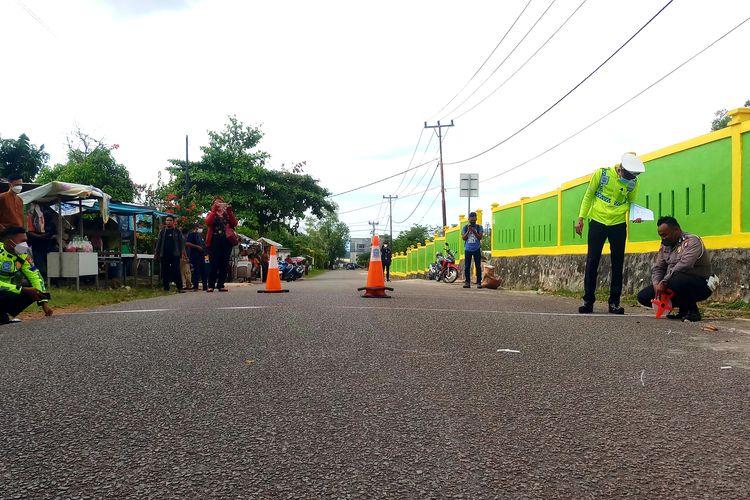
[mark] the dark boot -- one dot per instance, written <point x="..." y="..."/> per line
<point x="616" y="309"/>
<point x="586" y="308"/>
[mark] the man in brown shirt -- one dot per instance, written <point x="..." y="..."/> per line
<point x="11" y="205"/>
<point x="683" y="266"/>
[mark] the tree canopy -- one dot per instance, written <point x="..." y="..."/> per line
<point x="234" y="167"/>
<point x="722" y="119"/>
<point x="415" y="234"/>
<point x="20" y="156"/>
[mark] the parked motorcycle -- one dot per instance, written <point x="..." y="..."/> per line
<point x="448" y="270"/>
<point x="433" y="270"/>
<point x="291" y="271"/>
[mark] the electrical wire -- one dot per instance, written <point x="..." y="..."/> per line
<point x="414" y="172"/>
<point x="422" y="198"/>
<point x="381" y="180"/>
<point x="504" y="60"/>
<point x="524" y="63"/>
<point x="416" y="147"/>
<point x="435" y="199"/>
<point x="566" y="94"/>
<point x="485" y="62"/>
<point x="665" y="76"/>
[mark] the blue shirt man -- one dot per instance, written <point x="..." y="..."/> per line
<point x="472" y="234"/>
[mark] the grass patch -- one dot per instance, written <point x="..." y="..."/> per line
<point x="315" y="272"/>
<point x="68" y="300"/>
<point x="601" y="296"/>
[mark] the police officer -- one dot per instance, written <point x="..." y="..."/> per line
<point x="607" y="204"/>
<point x="386" y="256"/>
<point x="683" y="266"/>
<point x="15" y="260"/>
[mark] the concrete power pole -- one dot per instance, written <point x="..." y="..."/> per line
<point x="440" y="127"/>
<point x="390" y="199"/>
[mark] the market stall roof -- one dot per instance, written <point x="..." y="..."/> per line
<point x="122" y="208"/>
<point x="57" y="191"/>
<point x="271" y="242"/>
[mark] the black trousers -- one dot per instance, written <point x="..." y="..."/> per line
<point x="199" y="270"/>
<point x="170" y="271"/>
<point x="688" y="291"/>
<point x="476" y="255"/>
<point x="387" y="269"/>
<point x="598" y="234"/>
<point x="12" y="304"/>
<point x="219" y="252"/>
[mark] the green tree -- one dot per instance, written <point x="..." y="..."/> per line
<point x="19" y="156"/>
<point x="722" y="119"/>
<point x="363" y="259"/>
<point x="415" y="234"/>
<point x="234" y="167"/>
<point x="91" y="162"/>
<point x="328" y="238"/>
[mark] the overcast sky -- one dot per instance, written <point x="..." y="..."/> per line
<point x="347" y="86"/>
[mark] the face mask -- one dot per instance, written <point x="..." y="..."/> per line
<point x="629" y="183"/>
<point x="22" y="248"/>
<point x="17" y="189"/>
<point x="200" y="231"/>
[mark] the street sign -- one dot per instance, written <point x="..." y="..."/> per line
<point x="469" y="186"/>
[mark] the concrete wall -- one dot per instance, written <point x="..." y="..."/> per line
<point x="556" y="272"/>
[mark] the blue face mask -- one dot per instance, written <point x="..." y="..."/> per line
<point x="629" y="183"/>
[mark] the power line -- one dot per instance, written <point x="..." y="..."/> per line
<point x="437" y="195"/>
<point x="414" y="172"/>
<point x="422" y="198"/>
<point x="506" y="58"/>
<point x="381" y="180"/>
<point x="485" y="62"/>
<point x="566" y="94"/>
<point x="416" y="147"/>
<point x="617" y="108"/>
<point x="524" y="63"/>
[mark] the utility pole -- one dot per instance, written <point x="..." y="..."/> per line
<point x="187" y="174"/>
<point x="374" y="225"/>
<point x="390" y="199"/>
<point x="439" y="127"/>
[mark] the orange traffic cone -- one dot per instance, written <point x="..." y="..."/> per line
<point x="663" y="303"/>
<point x="273" y="282"/>
<point x="375" y="286"/>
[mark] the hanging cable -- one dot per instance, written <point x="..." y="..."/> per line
<point x="422" y="198"/>
<point x="416" y="147"/>
<point x="482" y="65"/>
<point x="566" y="94"/>
<point x="524" y="63"/>
<point x="381" y="180"/>
<point x="503" y="61"/>
<point x="676" y="68"/>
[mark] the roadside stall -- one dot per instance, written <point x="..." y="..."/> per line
<point x="129" y="251"/>
<point x="81" y="260"/>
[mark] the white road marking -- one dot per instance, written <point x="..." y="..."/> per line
<point x="643" y="384"/>
<point x="241" y="307"/>
<point x="522" y="313"/>
<point x="726" y="367"/>
<point x="129" y="311"/>
<point x="509" y="350"/>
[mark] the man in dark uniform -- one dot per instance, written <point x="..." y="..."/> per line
<point x="682" y="265"/>
<point x="385" y="256"/>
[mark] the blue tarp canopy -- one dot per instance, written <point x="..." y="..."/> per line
<point x="116" y="208"/>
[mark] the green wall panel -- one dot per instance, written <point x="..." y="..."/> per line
<point x="540" y="223"/>
<point x="745" y="218"/>
<point x="695" y="186"/>
<point x="506" y="228"/>
<point x="571" y="204"/>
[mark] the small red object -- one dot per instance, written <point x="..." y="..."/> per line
<point x="663" y="303"/>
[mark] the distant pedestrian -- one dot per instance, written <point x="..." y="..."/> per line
<point x="11" y="205"/>
<point x="472" y="234"/>
<point x="264" y="258"/>
<point x="385" y="257"/>
<point x="196" y="250"/>
<point x="220" y="220"/>
<point x="170" y="247"/>
<point x="606" y="204"/>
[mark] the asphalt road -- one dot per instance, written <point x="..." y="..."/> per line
<point x="321" y="393"/>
